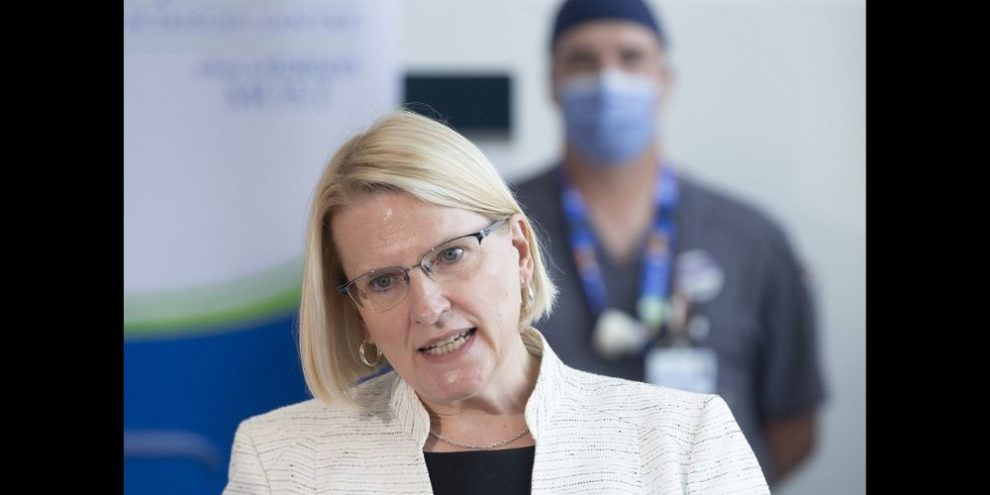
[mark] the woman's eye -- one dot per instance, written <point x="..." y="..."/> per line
<point x="451" y="255"/>
<point x="381" y="283"/>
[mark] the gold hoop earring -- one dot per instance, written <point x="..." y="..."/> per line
<point x="362" y="353"/>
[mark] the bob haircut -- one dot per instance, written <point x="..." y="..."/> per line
<point x="407" y="153"/>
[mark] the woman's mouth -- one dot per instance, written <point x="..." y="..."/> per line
<point x="450" y="344"/>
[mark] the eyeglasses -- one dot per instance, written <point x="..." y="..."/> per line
<point x="384" y="288"/>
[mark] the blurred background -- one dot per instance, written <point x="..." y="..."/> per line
<point x="231" y="109"/>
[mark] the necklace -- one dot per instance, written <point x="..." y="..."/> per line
<point x="490" y="446"/>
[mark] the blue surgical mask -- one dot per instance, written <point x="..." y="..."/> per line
<point x="610" y="117"/>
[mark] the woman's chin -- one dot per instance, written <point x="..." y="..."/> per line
<point x="455" y="385"/>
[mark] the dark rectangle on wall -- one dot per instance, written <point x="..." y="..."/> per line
<point x="475" y="105"/>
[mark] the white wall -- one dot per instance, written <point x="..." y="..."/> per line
<point x="769" y="104"/>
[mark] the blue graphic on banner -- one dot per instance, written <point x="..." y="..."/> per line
<point x="183" y="400"/>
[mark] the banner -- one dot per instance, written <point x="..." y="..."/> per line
<point x="231" y="110"/>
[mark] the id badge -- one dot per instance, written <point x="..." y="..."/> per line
<point x="687" y="368"/>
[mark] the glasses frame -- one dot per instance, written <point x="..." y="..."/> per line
<point x="345" y="288"/>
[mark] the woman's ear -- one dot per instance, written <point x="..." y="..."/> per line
<point x="519" y="227"/>
<point x="364" y="334"/>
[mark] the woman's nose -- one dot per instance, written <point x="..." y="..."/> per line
<point x="428" y="302"/>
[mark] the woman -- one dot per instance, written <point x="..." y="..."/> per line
<point x="419" y="256"/>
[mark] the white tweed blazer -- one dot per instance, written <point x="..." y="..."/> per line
<point x="594" y="435"/>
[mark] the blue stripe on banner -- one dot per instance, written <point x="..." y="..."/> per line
<point x="183" y="399"/>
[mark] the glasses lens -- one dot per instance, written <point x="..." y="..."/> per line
<point x="382" y="289"/>
<point x="455" y="258"/>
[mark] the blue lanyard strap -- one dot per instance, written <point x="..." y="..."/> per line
<point x="651" y="306"/>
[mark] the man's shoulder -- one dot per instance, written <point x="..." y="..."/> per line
<point x="538" y="196"/>
<point x="543" y="178"/>
<point x="719" y="209"/>
<point x="535" y="186"/>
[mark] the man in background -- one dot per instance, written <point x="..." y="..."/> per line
<point x="663" y="279"/>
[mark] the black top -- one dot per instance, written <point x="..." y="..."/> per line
<point x="481" y="472"/>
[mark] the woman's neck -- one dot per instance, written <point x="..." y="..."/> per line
<point x="494" y="415"/>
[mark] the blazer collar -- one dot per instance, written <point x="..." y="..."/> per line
<point x="414" y="420"/>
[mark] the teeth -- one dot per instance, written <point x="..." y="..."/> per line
<point x="447" y="346"/>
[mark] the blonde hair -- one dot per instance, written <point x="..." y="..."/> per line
<point x="402" y="152"/>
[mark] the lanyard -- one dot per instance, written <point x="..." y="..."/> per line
<point x="654" y="282"/>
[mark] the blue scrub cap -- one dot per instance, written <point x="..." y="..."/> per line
<point x="574" y="12"/>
